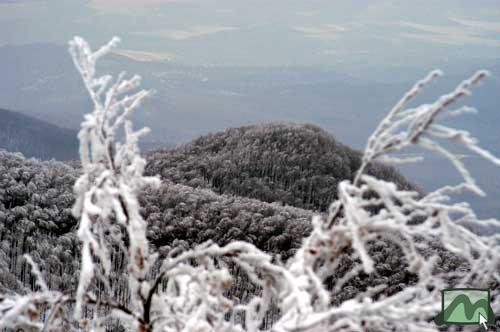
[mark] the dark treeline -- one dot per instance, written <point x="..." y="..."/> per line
<point x="297" y="165"/>
<point x="35" y="218"/>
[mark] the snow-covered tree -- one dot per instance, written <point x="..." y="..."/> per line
<point x="188" y="289"/>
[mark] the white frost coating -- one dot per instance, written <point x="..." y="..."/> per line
<point x="37" y="274"/>
<point x="113" y="173"/>
<point x="189" y="292"/>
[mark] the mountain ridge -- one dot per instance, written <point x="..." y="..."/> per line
<point x="296" y="164"/>
<point x="33" y="137"/>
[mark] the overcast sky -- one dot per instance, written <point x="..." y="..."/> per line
<point x="268" y="32"/>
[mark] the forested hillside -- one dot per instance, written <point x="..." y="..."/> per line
<point x="297" y="165"/>
<point x="36" y="198"/>
<point x="35" y="217"/>
<point x="36" y="138"/>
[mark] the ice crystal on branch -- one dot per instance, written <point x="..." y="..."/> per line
<point x="113" y="175"/>
<point x="188" y="290"/>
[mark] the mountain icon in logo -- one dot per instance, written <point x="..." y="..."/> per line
<point x="465" y="306"/>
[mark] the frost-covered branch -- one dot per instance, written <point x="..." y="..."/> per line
<point x="404" y="127"/>
<point x="370" y="210"/>
<point x="113" y="175"/>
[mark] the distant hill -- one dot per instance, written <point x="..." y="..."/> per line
<point x="36" y="138"/>
<point x="297" y="165"/>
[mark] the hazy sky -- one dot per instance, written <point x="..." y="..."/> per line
<point x="268" y="32"/>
